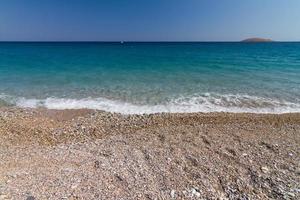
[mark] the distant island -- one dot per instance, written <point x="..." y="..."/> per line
<point x="257" y="40"/>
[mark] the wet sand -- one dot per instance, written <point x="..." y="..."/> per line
<point x="86" y="154"/>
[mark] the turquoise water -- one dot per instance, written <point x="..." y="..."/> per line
<point x="152" y="77"/>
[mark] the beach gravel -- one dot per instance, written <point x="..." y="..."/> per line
<point x="86" y="154"/>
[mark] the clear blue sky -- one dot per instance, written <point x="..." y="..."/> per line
<point x="149" y="20"/>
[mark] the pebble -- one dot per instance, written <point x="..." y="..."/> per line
<point x="265" y="169"/>
<point x="195" y="192"/>
<point x="74" y="186"/>
<point x="173" y="194"/>
<point x="30" y="198"/>
<point x="291" y="194"/>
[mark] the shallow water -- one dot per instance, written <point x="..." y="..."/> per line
<point x="152" y="77"/>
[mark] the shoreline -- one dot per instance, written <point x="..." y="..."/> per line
<point x="89" y="154"/>
<point x="205" y="102"/>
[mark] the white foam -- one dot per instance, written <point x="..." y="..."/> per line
<point x="197" y="103"/>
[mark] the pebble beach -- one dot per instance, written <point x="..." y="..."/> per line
<point x="88" y="154"/>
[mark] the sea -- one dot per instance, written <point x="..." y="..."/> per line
<point x="152" y="77"/>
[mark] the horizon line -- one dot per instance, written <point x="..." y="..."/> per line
<point x="145" y="41"/>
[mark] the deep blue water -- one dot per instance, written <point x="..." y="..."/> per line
<point x="152" y="77"/>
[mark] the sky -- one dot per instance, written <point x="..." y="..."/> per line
<point x="149" y="20"/>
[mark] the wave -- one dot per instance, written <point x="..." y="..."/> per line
<point x="207" y="102"/>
